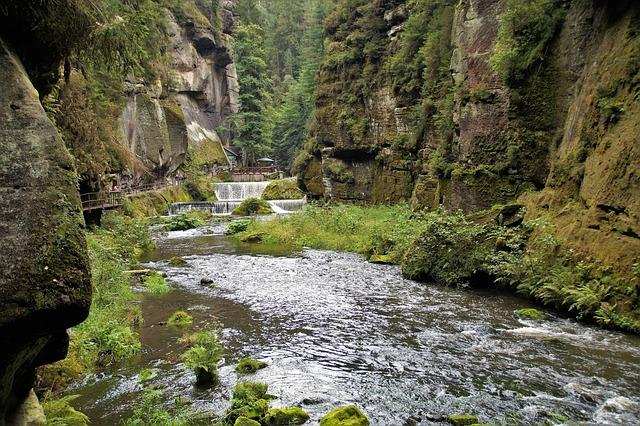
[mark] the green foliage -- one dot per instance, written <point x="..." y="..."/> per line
<point x="526" y="29"/>
<point x="253" y="206"/>
<point x="177" y="261"/>
<point x="529" y="313"/>
<point x="59" y="412"/>
<point x="203" y="356"/>
<point x="286" y="416"/>
<point x="237" y="227"/>
<point x="284" y="189"/>
<point x="249" y="366"/>
<point x="150" y="411"/>
<point x="180" y="319"/>
<point x="251" y="124"/>
<point x="186" y="221"/>
<point x="147" y="374"/>
<point x="156" y="284"/>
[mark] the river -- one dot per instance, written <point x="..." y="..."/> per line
<point x="335" y="329"/>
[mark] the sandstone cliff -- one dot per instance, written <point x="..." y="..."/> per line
<point x="561" y="137"/>
<point x="162" y="120"/>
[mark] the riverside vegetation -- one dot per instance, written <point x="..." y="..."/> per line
<point x="475" y="250"/>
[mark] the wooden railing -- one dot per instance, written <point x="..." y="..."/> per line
<point x="253" y="170"/>
<point x="112" y="199"/>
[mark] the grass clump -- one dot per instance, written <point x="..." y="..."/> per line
<point x="203" y="353"/>
<point x="284" y="189"/>
<point x="60" y="412"/>
<point x="156" y="284"/>
<point x="150" y="411"/>
<point x="250" y="365"/>
<point x="252" y="207"/>
<point x="180" y="319"/>
<point x="237" y="227"/>
<point x="186" y="221"/>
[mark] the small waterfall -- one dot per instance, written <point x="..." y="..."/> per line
<point x="239" y="191"/>
<point x="214" y="207"/>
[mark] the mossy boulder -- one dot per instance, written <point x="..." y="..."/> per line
<point x="243" y="421"/>
<point x="462" y="420"/>
<point x="284" y="189"/>
<point x="254" y="237"/>
<point x="180" y="319"/>
<point x="529" y="314"/>
<point x="345" y="416"/>
<point x="252" y="207"/>
<point x="286" y="416"/>
<point x="177" y="261"/>
<point x="249" y="365"/>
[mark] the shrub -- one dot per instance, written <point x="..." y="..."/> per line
<point x="237" y="227"/>
<point x="186" y="221"/>
<point x="526" y="29"/>
<point x="180" y="319"/>
<point x="253" y="206"/>
<point x="155" y="284"/>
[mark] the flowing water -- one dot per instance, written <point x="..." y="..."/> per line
<point x="335" y="329"/>
<point x="231" y="194"/>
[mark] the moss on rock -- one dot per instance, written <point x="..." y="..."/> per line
<point x="285" y="189"/>
<point x="253" y="206"/>
<point x="243" y="421"/>
<point x="177" y="261"/>
<point x="249" y="365"/>
<point x="286" y="416"/>
<point x="462" y="420"/>
<point x="529" y="313"/>
<point x="345" y="416"/>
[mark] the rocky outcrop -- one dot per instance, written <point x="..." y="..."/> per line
<point x="562" y="138"/>
<point x="44" y="281"/>
<point x="161" y="121"/>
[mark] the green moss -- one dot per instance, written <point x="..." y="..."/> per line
<point x="253" y="206"/>
<point x="155" y="284"/>
<point x="249" y="365"/>
<point x="180" y="319"/>
<point x="177" y="261"/>
<point x="345" y="416"/>
<point x="285" y="189"/>
<point x="249" y="401"/>
<point x="147" y="374"/>
<point x="286" y="416"/>
<point x="60" y="412"/>
<point x="382" y="259"/>
<point x="243" y="421"/>
<point x="462" y="420"/>
<point x="529" y="313"/>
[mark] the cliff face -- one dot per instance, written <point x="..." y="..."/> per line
<point x="164" y="119"/>
<point x="44" y="282"/>
<point x="561" y="137"/>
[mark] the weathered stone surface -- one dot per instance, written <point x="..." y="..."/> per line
<point x="44" y="282"/>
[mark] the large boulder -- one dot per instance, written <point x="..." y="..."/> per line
<point x="45" y="285"/>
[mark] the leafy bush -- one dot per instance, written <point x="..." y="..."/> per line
<point x="237" y="227"/>
<point x="155" y="284"/>
<point x="526" y="29"/>
<point x="186" y="221"/>
<point x="253" y="206"/>
<point x="203" y="357"/>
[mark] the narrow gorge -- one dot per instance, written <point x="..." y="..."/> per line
<point x="334" y="212"/>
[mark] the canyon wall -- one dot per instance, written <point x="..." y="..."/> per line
<point x="560" y="138"/>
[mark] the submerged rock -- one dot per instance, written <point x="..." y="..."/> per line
<point x="286" y="416"/>
<point x="249" y="365"/>
<point x="345" y="416"/>
<point x="529" y="313"/>
<point x="206" y="281"/>
<point x="177" y="261"/>
<point x="463" y="420"/>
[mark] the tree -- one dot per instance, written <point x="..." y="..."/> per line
<point x="252" y="124"/>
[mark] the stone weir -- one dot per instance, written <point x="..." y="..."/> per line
<point x="231" y="194"/>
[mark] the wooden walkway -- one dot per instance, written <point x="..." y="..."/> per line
<point x="106" y="200"/>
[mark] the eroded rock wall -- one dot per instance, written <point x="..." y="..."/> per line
<point x="162" y="120"/>
<point x="44" y="280"/>
<point x="563" y="138"/>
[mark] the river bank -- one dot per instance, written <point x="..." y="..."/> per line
<point x="495" y="248"/>
<point x="335" y="329"/>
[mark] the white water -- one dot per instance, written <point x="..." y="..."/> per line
<point x="231" y="194"/>
<point x="239" y="191"/>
